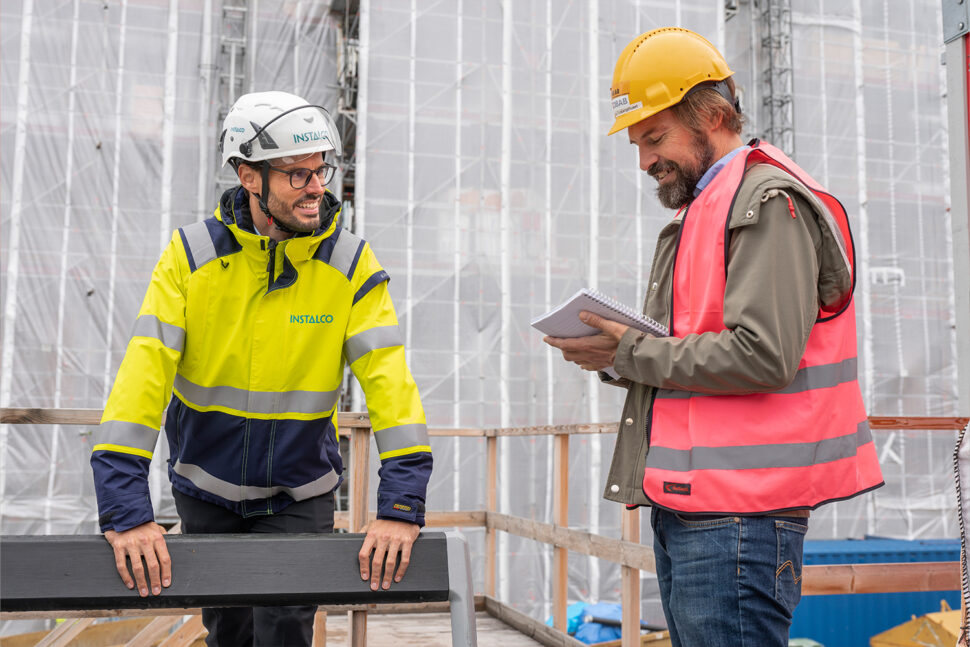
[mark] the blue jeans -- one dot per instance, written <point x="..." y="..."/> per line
<point x="728" y="581"/>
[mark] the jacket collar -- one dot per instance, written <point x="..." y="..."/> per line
<point x="233" y="211"/>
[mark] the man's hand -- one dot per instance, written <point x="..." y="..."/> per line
<point x="593" y="353"/>
<point x="148" y="541"/>
<point x="386" y="538"/>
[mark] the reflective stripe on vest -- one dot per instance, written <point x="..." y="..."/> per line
<point x="747" y="457"/>
<point x="796" y="447"/>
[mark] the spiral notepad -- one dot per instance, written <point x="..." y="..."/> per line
<point x="563" y="320"/>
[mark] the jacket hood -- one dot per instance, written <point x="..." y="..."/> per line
<point x="835" y="272"/>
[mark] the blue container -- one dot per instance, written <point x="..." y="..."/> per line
<point x="851" y="620"/>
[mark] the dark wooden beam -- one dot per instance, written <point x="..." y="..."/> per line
<point x="78" y="572"/>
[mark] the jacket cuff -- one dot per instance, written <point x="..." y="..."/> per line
<point x="606" y="378"/>
<point x="402" y="488"/>
<point x="399" y="506"/>
<point x="125" y="512"/>
<point x="623" y="363"/>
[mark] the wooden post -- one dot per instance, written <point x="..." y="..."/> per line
<point x="560" y="514"/>
<point x="491" y="448"/>
<point x="630" y="595"/>
<point x="320" y="629"/>
<point x="359" y="471"/>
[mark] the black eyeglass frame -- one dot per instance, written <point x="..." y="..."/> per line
<point x="324" y="173"/>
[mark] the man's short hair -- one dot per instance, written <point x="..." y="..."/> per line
<point x="704" y="106"/>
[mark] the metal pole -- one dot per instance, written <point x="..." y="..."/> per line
<point x="956" y="82"/>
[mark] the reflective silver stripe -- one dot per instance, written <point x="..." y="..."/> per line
<point x="759" y="456"/>
<point x="364" y="342"/>
<point x="344" y="252"/>
<point x="126" y="434"/>
<point x="401" y="437"/>
<point x="806" y="379"/>
<point x="200" y="243"/>
<point x="151" y="326"/>
<point x="267" y="402"/>
<point x="232" y="492"/>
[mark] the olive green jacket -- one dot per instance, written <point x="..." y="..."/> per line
<point x="779" y="270"/>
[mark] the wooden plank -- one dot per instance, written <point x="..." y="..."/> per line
<point x="917" y="422"/>
<point x="319" y="629"/>
<point x="188" y="633"/>
<point x="432" y="519"/>
<point x="829" y="579"/>
<point x="429" y="630"/>
<point x="357" y="624"/>
<point x="36" y="416"/>
<point x="555" y="430"/>
<point x="532" y="628"/>
<point x="360" y="467"/>
<point x="65" y="632"/>
<point x="491" y="448"/>
<point x="139" y="614"/>
<point x="353" y="420"/>
<point x="156" y="630"/>
<point x="560" y="517"/>
<point x="630" y="582"/>
<point x="652" y="639"/>
<point x="613" y="550"/>
<point x="96" y="613"/>
<point x="360" y="461"/>
<point x="94" y="635"/>
<point x="78" y="572"/>
<point x="457" y="432"/>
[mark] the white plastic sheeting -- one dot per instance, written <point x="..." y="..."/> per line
<point x="485" y="148"/>
<point x="489" y="191"/>
<point x="107" y="122"/>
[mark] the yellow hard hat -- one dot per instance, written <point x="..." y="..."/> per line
<point x="658" y="69"/>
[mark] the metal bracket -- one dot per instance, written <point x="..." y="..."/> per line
<point x="955" y="19"/>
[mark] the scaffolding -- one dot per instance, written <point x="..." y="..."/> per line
<point x="777" y="101"/>
<point x="479" y="171"/>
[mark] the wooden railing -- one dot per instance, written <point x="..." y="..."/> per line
<point x="627" y="551"/>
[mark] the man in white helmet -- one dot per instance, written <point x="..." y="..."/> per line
<point x="244" y="332"/>
<point x="749" y="414"/>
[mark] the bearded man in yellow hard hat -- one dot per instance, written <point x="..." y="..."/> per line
<point x="749" y="414"/>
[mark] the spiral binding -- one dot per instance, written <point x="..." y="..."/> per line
<point x="964" y="573"/>
<point x="656" y="327"/>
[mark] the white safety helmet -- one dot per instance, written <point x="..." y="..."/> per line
<point x="276" y="125"/>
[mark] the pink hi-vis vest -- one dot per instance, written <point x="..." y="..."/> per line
<point x="798" y="447"/>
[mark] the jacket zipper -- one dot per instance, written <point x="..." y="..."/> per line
<point x="670" y="306"/>
<point x="649" y="423"/>
<point x="271" y="267"/>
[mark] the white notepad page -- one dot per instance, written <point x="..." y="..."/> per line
<point x="563" y="320"/>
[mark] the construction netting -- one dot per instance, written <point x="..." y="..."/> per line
<point x="489" y="191"/>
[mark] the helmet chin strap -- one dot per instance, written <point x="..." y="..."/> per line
<point x="264" y="171"/>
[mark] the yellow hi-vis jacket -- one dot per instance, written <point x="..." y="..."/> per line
<point x="253" y="336"/>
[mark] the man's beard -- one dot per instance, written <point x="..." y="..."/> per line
<point x="283" y="214"/>
<point x="676" y="194"/>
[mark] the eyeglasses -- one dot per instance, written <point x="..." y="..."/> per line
<point x="300" y="177"/>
